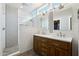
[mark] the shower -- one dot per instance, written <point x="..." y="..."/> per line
<point x="9" y="29"/>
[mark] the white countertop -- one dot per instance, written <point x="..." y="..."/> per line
<point x="66" y="39"/>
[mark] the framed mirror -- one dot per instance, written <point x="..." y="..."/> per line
<point x="63" y="23"/>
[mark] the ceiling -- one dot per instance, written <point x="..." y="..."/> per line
<point x="26" y="6"/>
<point x="30" y="6"/>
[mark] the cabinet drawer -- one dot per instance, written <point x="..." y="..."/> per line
<point x="61" y="52"/>
<point x="60" y="44"/>
<point x="43" y="40"/>
<point x="44" y="51"/>
<point x="44" y="44"/>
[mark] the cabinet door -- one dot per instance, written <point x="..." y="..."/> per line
<point x="39" y="47"/>
<point x="51" y="51"/>
<point x="35" y="45"/>
<point x="43" y="51"/>
<point x="61" y="52"/>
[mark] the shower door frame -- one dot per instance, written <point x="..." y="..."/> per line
<point x="2" y="28"/>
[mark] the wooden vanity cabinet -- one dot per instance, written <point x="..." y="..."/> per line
<point x="51" y="51"/>
<point x="61" y="48"/>
<point x="36" y="45"/>
<point x="40" y="45"/>
<point x="51" y="47"/>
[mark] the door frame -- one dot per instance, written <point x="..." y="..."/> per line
<point x="2" y="25"/>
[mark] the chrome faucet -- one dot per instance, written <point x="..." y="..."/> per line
<point x="61" y="34"/>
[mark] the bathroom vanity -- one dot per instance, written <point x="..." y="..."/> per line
<point x="48" y="45"/>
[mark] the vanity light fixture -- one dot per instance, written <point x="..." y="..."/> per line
<point x="61" y="6"/>
<point x="43" y="14"/>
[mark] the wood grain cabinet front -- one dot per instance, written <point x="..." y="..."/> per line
<point x="61" y="52"/>
<point x="51" y="51"/>
<point x="51" y="47"/>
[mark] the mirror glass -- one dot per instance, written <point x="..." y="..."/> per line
<point x="63" y="23"/>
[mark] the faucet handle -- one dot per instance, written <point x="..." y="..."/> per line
<point x="60" y="33"/>
<point x="63" y="35"/>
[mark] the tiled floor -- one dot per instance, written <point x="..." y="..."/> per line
<point x="28" y="53"/>
<point x="10" y="50"/>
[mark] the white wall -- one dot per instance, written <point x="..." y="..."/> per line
<point x="45" y="23"/>
<point x="25" y="31"/>
<point x="41" y="22"/>
<point x="75" y="29"/>
<point x="26" y="37"/>
<point x="51" y="26"/>
<point x="11" y="26"/>
<point x="37" y="22"/>
<point x="23" y="15"/>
